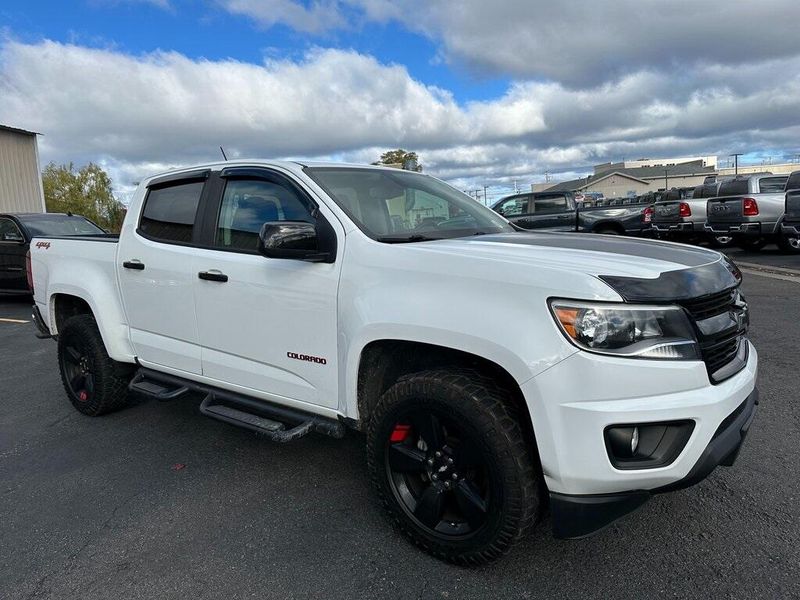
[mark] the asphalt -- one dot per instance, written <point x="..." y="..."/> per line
<point x="156" y="501"/>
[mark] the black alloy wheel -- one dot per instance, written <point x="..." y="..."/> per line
<point x="78" y="368"/>
<point x="438" y="474"/>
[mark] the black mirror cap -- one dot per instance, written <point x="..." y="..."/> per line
<point x="298" y="240"/>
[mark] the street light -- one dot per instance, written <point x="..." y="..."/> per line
<point x="736" y="156"/>
<point x="666" y="179"/>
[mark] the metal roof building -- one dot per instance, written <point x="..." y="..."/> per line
<point x="20" y="176"/>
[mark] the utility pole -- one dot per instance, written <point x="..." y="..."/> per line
<point x="666" y="179"/>
<point x="516" y="189"/>
<point x="485" y="197"/>
<point x="736" y="156"/>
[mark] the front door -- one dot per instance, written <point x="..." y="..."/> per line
<point x="267" y="326"/>
<point x="156" y="276"/>
<point x="12" y="257"/>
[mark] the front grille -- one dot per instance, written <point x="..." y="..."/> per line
<point x="709" y="306"/>
<point x="719" y="354"/>
<point x="717" y="350"/>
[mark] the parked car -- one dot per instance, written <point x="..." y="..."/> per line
<point x="16" y="231"/>
<point x="790" y="227"/>
<point x="558" y="211"/>
<point x="488" y="368"/>
<point x="680" y="215"/>
<point x="749" y="208"/>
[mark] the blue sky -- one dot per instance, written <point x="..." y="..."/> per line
<point x="488" y="93"/>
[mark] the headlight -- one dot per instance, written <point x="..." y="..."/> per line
<point x="653" y="332"/>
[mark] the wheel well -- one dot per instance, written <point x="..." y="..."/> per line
<point x="383" y="362"/>
<point x="66" y="306"/>
<point x="608" y="225"/>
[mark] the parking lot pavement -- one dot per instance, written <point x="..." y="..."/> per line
<point x="769" y="256"/>
<point x="156" y="501"/>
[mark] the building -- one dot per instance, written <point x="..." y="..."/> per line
<point x="20" y="176"/>
<point x="775" y="169"/>
<point x="615" y="180"/>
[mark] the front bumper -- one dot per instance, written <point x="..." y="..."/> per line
<point x="576" y="516"/>
<point x="573" y="402"/>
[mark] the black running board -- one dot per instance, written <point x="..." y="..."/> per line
<point x="275" y="422"/>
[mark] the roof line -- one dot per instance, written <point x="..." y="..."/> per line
<point x="18" y="130"/>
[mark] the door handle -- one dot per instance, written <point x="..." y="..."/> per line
<point x="213" y="275"/>
<point x="134" y="264"/>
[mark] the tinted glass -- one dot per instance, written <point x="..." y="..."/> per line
<point x="395" y="206"/>
<point x="61" y="225"/>
<point x="513" y="207"/>
<point x="552" y="204"/>
<point x="248" y="204"/>
<point x="772" y="184"/>
<point x="169" y="212"/>
<point x="9" y="228"/>
<point x="734" y="187"/>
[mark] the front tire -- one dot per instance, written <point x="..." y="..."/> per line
<point x="95" y="384"/>
<point x="452" y="467"/>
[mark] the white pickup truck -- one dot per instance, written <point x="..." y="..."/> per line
<point x="494" y="372"/>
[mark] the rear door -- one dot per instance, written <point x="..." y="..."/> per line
<point x="12" y="257"/>
<point x="267" y="326"/>
<point x="156" y="274"/>
<point x="552" y="212"/>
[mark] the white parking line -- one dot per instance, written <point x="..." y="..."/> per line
<point x="770" y="274"/>
<point x="5" y="320"/>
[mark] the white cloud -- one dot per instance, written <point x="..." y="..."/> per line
<point x="137" y="114"/>
<point x="318" y="17"/>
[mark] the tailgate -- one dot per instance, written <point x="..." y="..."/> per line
<point x="793" y="205"/>
<point x="666" y="212"/>
<point x="725" y="210"/>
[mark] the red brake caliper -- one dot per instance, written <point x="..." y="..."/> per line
<point x="400" y="433"/>
<point x="83" y="396"/>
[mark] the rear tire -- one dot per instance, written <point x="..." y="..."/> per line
<point x="95" y="384"/>
<point x="452" y="467"/>
<point x="752" y="244"/>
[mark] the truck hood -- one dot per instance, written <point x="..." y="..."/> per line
<point x="639" y="270"/>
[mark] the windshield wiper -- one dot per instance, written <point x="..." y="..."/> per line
<point x="404" y="239"/>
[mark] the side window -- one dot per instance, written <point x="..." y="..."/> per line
<point x="9" y="232"/>
<point x="248" y="204"/>
<point x="772" y="184"/>
<point x="554" y="204"/>
<point x="169" y="212"/>
<point x="514" y="207"/>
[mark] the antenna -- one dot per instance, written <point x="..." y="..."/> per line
<point x="223" y="154"/>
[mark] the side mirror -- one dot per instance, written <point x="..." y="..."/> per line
<point x="500" y="210"/>
<point x="296" y="240"/>
<point x="13" y="236"/>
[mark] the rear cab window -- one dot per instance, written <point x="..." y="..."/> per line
<point x="170" y="211"/>
<point x="768" y="185"/>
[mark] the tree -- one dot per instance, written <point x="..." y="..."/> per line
<point x="400" y="157"/>
<point x="86" y="191"/>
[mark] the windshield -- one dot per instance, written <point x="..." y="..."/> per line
<point x="47" y="225"/>
<point x="403" y="206"/>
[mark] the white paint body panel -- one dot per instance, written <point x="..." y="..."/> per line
<point x="488" y="299"/>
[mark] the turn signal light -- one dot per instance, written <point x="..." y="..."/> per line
<point x="685" y="210"/>
<point x="750" y="207"/>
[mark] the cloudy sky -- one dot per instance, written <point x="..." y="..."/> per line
<point x="486" y="92"/>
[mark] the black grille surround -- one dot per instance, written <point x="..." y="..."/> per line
<point x="720" y="348"/>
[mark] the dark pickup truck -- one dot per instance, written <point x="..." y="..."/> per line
<point x="790" y="227"/>
<point x="558" y="211"/>
<point x="16" y="232"/>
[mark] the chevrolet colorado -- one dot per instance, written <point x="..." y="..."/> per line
<point x="492" y="371"/>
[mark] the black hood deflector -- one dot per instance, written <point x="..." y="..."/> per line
<point x="707" y="272"/>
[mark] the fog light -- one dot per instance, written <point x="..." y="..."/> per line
<point x="646" y="445"/>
